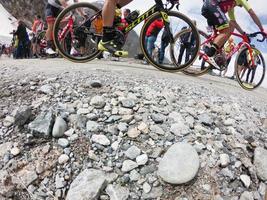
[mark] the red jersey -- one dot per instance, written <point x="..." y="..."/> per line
<point x="155" y="27"/>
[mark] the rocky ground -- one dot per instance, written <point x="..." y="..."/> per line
<point x="121" y="130"/>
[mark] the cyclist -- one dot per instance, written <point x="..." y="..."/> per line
<point x="37" y="27"/>
<point x="214" y="11"/>
<point x="108" y="43"/>
<point x="53" y="8"/>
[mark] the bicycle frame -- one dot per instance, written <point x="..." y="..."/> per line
<point x="244" y="42"/>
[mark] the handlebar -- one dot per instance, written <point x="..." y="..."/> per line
<point x="174" y="3"/>
<point x="252" y="35"/>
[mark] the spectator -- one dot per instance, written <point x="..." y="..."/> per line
<point x="152" y="33"/>
<point x="187" y="45"/>
<point x="165" y="40"/>
<point x="23" y="40"/>
<point x="126" y="13"/>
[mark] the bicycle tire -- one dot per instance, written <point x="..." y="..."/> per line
<point x="239" y="79"/>
<point x="56" y="29"/>
<point x="189" y="71"/>
<point x="174" y="68"/>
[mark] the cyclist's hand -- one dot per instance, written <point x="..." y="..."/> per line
<point x="264" y="32"/>
<point x="246" y="36"/>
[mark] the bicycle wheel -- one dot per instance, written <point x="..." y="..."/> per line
<point x="75" y="33"/>
<point x="199" y="66"/>
<point x="167" y="50"/>
<point x="249" y="77"/>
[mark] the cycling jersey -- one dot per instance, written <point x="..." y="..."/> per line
<point x="214" y="11"/>
<point x="38" y="26"/>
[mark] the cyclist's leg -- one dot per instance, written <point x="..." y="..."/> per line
<point x="212" y="12"/>
<point x="51" y="14"/>
<point x="108" y="13"/>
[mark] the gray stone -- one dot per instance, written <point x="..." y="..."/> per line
<point x="260" y="162"/>
<point x="146" y="188"/>
<point x="63" y="142"/>
<point x="92" y="126"/>
<point x="148" y="169"/>
<point x="229" y="122"/>
<point x="125" y="111"/>
<point x="100" y="139"/>
<point x="179" y="165"/>
<point x="142" y="159"/>
<point x="27" y="176"/>
<point x="156" y="129"/>
<point x="128" y="165"/>
<point x="59" y="128"/>
<point x="155" y="193"/>
<point x="8" y="121"/>
<point x="87" y="185"/>
<point x="116" y="192"/>
<point x="143" y="127"/>
<point x="46" y="89"/>
<point x="96" y="84"/>
<point x="15" y="151"/>
<point x="98" y="102"/>
<point x="42" y="125"/>
<point x="245" y="180"/>
<point x="133" y="133"/>
<point x="4" y="148"/>
<point x="156" y="152"/>
<point x="60" y="182"/>
<point x="134" y="175"/>
<point x="123" y="127"/>
<point x="246" y="196"/>
<point x="205" y="119"/>
<point x="132" y="152"/>
<point x="157" y="118"/>
<point x="224" y="160"/>
<point x="179" y="129"/>
<point x="127" y="103"/>
<point x="22" y="115"/>
<point x="83" y="111"/>
<point x="63" y="159"/>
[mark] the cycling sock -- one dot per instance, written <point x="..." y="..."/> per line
<point x="50" y="44"/>
<point x="108" y="33"/>
<point x="210" y="51"/>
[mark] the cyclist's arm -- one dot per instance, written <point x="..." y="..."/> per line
<point x="256" y="19"/>
<point x="231" y="15"/>
<point x="251" y="12"/>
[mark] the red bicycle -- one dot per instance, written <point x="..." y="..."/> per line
<point x="249" y="64"/>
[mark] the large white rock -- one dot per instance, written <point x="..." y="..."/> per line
<point x="179" y="165"/>
<point x="87" y="185"/>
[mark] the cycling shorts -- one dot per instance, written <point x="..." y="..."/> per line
<point x="51" y="13"/>
<point x="214" y="15"/>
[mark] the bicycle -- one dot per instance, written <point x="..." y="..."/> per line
<point x="77" y="21"/>
<point x="204" y="64"/>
